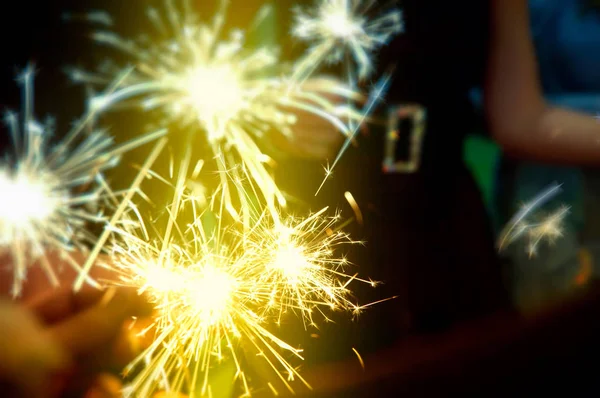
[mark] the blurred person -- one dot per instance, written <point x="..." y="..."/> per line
<point x="566" y="34"/>
<point x="428" y="236"/>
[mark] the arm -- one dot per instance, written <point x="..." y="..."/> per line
<point x="521" y="121"/>
<point x="581" y="102"/>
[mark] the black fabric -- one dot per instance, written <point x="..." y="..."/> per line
<point x="430" y="239"/>
<point x="440" y="56"/>
<point x="427" y="234"/>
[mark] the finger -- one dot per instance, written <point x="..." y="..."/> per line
<point x="55" y="305"/>
<point x="106" y="359"/>
<point x="69" y="265"/>
<point x="66" y="265"/>
<point x="141" y="333"/>
<point x="125" y="348"/>
<point x="28" y="357"/>
<point x="315" y="152"/>
<point x="99" y="324"/>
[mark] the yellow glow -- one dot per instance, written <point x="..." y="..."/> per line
<point x="291" y="262"/>
<point x="211" y="294"/>
<point x="24" y="199"/>
<point x="215" y="93"/>
<point x="217" y="296"/>
<point x="341" y="25"/>
<point x="208" y="81"/>
<point x="163" y="280"/>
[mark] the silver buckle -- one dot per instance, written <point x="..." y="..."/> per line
<point x="418" y="114"/>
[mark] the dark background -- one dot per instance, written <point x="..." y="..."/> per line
<point x="34" y="33"/>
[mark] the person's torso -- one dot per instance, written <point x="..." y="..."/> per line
<point x="440" y="55"/>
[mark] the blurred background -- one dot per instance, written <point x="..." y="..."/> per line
<point x="566" y="35"/>
<point x="567" y="41"/>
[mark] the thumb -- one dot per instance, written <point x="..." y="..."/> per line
<point x="101" y="323"/>
<point x="28" y="357"/>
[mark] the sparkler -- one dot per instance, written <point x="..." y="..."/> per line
<point x="206" y="296"/>
<point x="523" y="224"/>
<point x="52" y="190"/>
<point x="233" y="94"/>
<point x="301" y="269"/>
<point x="219" y="291"/>
<point x="342" y="31"/>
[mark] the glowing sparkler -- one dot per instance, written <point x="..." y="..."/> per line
<point x="221" y="289"/>
<point x="219" y="292"/>
<point x="50" y="191"/>
<point x="546" y="229"/>
<point x="301" y="267"/>
<point x="235" y="95"/>
<point x="344" y="31"/>
<point x="340" y="30"/>
<point x="206" y="299"/>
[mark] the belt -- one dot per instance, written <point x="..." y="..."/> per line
<point x="417" y="144"/>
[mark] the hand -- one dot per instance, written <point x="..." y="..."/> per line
<point x="312" y="136"/>
<point x="54" y="341"/>
<point x="28" y="356"/>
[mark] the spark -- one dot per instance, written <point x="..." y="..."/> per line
<point x="52" y="190"/>
<point x="204" y="306"/>
<point x="338" y="30"/>
<point x="121" y="208"/>
<point x="362" y="362"/>
<point x="549" y="229"/>
<point x="534" y="228"/>
<point x="208" y="309"/>
<point x="354" y="204"/>
<point x="342" y="31"/>
<point x="202" y="82"/>
<point x="220" y="292"/>
<point x="375" y="98"/>
<point x="302" y="269"/>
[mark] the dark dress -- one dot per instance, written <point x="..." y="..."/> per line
<point x="431" y="238"/>
<point x="428" y="235"/>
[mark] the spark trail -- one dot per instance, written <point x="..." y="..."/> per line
<point x="195" y="76"/>
<point x="53" y="190"/>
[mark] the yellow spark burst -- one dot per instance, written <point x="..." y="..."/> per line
<point x="303" y="271"/>
<point x="52" y="191"/>
<point x="206" y="303"/>
<point x="341" y="29"/>
<point x="221" y="292"/>
<point x="235" y="95"/>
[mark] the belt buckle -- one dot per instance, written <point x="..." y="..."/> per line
<point x="396" y="114"/>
